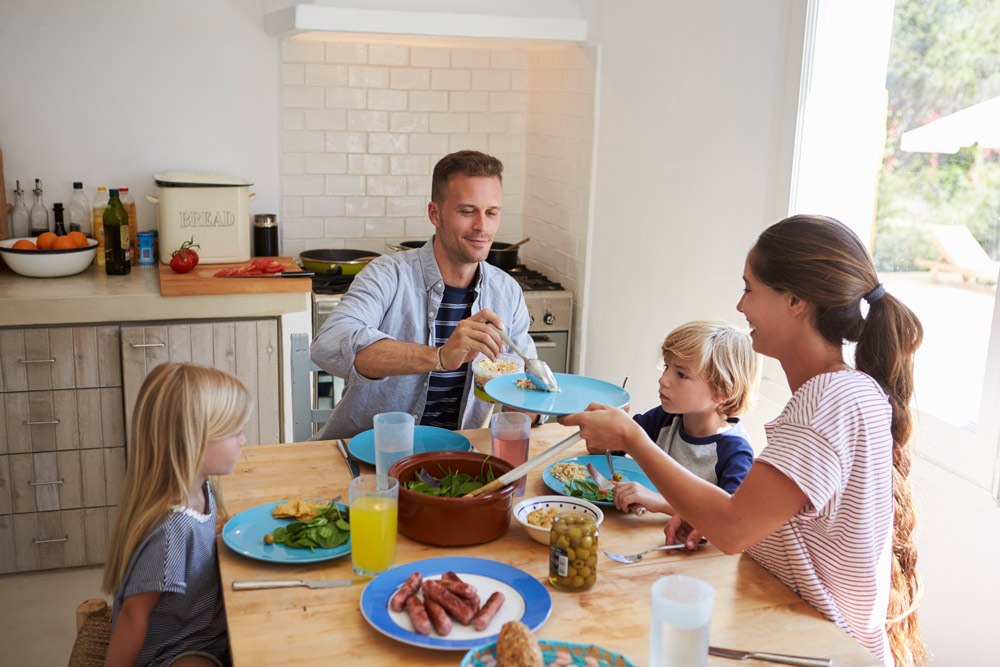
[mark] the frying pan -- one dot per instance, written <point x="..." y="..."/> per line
<point x="336" y="262"/>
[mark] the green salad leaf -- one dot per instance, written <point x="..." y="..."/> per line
<point x="453" y="485"/>
<point x="327" y="530"/>
<point x="588" y="490"/>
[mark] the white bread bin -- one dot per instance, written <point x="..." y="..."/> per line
<point x="212" y="208"/>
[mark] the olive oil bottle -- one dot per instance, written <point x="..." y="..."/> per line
<point x="117" y="255"/>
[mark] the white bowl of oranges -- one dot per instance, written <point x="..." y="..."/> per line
<point x="48" y="255"/>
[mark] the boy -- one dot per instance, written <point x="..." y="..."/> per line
<point x="710" y="375"/>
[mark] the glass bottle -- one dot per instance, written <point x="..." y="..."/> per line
<point x="573" y="552"/>
<point x="39" y="215"/>
<point x="133" y="223"/>
<point x="57" y="214"/>
<point x="20" y="225"/>
<point x="100" y="204"/>
<point x="117" y="256"/>
<point x="78" y="210"/>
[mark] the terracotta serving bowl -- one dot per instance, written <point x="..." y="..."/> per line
<point x="452" y="521"/>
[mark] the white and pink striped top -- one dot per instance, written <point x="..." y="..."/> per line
<point x="833" y="440"/>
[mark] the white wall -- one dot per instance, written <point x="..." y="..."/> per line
<point x="109" y="92"/>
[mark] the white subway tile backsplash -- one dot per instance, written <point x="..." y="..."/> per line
<point x="491" y="79"/>
<point x="506" y="143"/>
<point x="345" y="142"/>
<point x="302" y="141"/>
<point x="326" y="163"/>
<point x="366" y="76"/>
<point x="367" y="164"/>
<point x="345" y="185"/>
<point x="302" y="185"/>
<point x="293" y="51"/>
<point x="510" y="101"/>
<point x="469" y="101"/>
<point x="365" y="207"/>
<point x="406" y="121"/>
<point x="325" y="119"/>
<point x="326" y="75"/>
<point x="409" y="164"/>
<point x="468" y="141"/>
<point x="519" y="80"/>
<point x="300" y="228"/>
<point x="388" y="186"/>
<point x="405" y="78"/>
<point x="293" y="119"/>
<point x="384" y="142"/>
<point x="471" y="58"/>
<point x="419" y="186"/>
<point x="429" y="144"/>
<point x="418" y="227"/>
<point x="323" y="206"/>
<point x="423" y="100"/>
<point x="345" y="98"/>
<point x="304" y="97"/>
<point x="389" y="100"/>
<point x="291" y="207"/>
<point x="429" y="57"/>
<point x="405" y="206"/>
<point x="382" y="228"/>
<point x="517" y="122"/>
<point x="449" y="122"/>
<point x="293" y="163"/>
<point x="388" y="54"/>
<point x="509" y="58"/>
<point x="293" y="74"/>
<point x="367" y="121"/>
<point x="343" y="227"/>
<point x="451" y="79"/>
<point x="487" y="122"/>
<point x="347" y="52"/>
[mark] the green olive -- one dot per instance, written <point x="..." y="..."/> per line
<point x="617" y="477"/>
<point x="577" y="581"/>
<point x="592" y="561"/>
<point x="583" y="554"/>
<point x="587" y="542"/>
<point x="590" y="580"/>
<point x="584" y="571"/>
<point x="269" y="539"/>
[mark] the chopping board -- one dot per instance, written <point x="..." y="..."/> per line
<point x="200" y="281"/>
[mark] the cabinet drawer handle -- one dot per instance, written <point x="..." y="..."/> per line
<point x="58" y="481"/>
<point x="36" y="361"/>
<point x="31" y="423"/>
<point x="147" y="344"/>
<point x="60" y="539"/>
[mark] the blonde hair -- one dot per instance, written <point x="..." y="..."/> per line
<point x="724" y="355"/>
<point x="821" y="261"/>
<point x="180" y="408"/>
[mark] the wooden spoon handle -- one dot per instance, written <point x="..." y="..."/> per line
<point x="523" y="469"/>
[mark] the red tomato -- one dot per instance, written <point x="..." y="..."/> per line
<point x="189" y="246"/>
<point x="181" y="261"/>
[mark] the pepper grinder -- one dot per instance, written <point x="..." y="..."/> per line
<point x="265" y="235"/>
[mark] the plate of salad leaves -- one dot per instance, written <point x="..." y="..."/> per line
<point x="324" y="537"/>
<point x="587" y="488"/>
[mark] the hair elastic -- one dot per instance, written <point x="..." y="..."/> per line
<point x="877" y="293"/>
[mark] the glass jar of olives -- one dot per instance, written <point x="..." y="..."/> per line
<point x="573" y="552"/>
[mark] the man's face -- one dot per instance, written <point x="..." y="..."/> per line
<point x="468" y="218"/>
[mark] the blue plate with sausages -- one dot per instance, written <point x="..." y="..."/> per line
<point x="525" y="600"/>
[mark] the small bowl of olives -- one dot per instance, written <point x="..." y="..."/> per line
<point x="536" y="514"/>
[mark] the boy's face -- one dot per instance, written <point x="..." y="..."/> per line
<point x="683" y="390"/>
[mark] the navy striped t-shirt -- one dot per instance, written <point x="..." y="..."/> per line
<point x="445" y="389"/>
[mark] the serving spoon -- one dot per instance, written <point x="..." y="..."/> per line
<point x="537" y="370"/>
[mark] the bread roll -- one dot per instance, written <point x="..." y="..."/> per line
<point x="517" y="647"/>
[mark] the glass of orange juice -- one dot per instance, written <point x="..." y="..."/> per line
<point x="374" y="500"/>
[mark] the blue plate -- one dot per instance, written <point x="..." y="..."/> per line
<point x="575" y="393"/>
<point x="630" y="470"/>
<point x="245" y="532"/>
<point x="526" y="599"/>
<point x="425" y="439"/>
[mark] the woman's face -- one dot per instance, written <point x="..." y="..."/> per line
<point x="768" y="313"/>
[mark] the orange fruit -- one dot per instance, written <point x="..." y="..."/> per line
<point x="63" y="242"/>
<point x="24" y="244"/>
<point x="79" y="240"/>
<point x="46" y="240"/>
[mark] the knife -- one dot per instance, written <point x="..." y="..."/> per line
<point x="283" y="274"/>
<point x="254" y="584"/>
<point x="770" y="657"/>
<point x="352" y="465"/>
<point x="605" y="485"/>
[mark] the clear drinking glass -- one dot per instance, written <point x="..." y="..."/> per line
<point x="510" y="432"/>
<point x="681" y="615"/>
<point x="374" y="501"/>
<point x="393" y="439"/>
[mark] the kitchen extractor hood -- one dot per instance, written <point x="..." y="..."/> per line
<point x="432" y="20"/>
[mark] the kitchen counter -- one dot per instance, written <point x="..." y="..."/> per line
<point x="94" y="296"/>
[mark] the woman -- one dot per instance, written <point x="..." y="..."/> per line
<point x="826" y="507"/>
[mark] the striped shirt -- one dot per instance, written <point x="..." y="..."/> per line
<point x="833" y="440"/>
<point x="445" y="389"/>
<point x="178" y="559"/>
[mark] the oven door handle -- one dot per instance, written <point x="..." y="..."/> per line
<point x="542" y="340"/>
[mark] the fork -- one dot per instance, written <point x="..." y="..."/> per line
<point x="634" y="508"/>
<point x="635" y="558"/>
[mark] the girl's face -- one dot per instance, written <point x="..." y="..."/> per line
<point x="684" y="391"/>
<point x="768" y="313"/>
<point x="221" y="455"/>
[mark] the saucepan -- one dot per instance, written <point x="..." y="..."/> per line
<point x="336" y="262"/>
<point x="501" y="255"/>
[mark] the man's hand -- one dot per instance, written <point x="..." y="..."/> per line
<point x="472" y="336"/>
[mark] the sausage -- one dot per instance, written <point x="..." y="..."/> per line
<point x="418" y="615"/>
<point x="489" y="610"/>
<point x="451" y="576"/>
<point x="409" y="587"/>
<point x="465" y="591"/>
<point x="439" y="617"/>
<point x="454" y="605"/>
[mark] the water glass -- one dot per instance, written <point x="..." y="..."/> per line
<point x="681" y="615"/>
<point x="393" y="439"/>
<point x="510" y="432"/>
<point x="374" y="501"/>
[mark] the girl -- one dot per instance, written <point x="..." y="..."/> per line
<point x="162" y="567"/>
<point x="826" y="506"/>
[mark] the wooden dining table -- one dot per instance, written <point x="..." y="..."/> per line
<point x="302" y="626"/>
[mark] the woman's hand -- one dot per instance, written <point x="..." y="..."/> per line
<point x="604" y="427"/>
<point x="633" y="493"/>
<point x="679" y="531"/>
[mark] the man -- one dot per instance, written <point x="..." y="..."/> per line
<point x="405" y="332"/>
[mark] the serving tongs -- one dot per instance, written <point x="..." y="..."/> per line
<point x="537" y="370"/>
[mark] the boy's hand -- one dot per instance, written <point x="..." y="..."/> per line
<point x="679" y="531"/>
<point x="633" y="493"/>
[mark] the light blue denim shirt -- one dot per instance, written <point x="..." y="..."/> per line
<point x="397" y="297"/>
